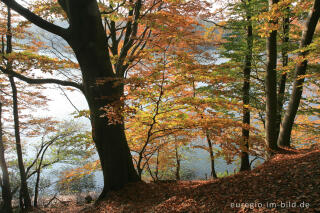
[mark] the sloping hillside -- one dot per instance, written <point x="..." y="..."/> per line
<point x="287" y="183"/>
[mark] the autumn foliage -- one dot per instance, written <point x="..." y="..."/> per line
<point x="162" y="78"/>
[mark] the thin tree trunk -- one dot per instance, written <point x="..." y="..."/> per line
<point x="150" y="172"/>
<point x="177" y="163"/>
<point x="245" y="165"/>
<point x="157" y="165"/>
<point x="206" y="132"/>
<point x="271" y="86"/>
<point x="23" y="177"/>
<point x="5" y="181"/>
<point x="36" y="188"/>
<point x="213" y="171"/>
<point x="300" y="71"/>
<point x="285" y="60"/>
<point x="154" y="117"/>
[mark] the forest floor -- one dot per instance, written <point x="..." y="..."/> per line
<point x="289" y="182"/>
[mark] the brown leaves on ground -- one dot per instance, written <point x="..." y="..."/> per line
<point x="289" y="181"/>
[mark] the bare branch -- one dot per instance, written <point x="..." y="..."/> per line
<point x="41" y="81"/>
<point x="37" y="20"/>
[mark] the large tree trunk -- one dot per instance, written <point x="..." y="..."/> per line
<point x="245" y="165"/>
<point x="271" y="87"/>
<point x="285" y="60"/>
<point x="110" y="139"/>
<point x="23" y="177"/>
<point x="114" y="153"/>
<point x="5" y="181"/>
<point x="88" y="41"/>
<point x="300" y="71"/>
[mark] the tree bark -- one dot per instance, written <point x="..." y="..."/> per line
<point x="88" y="40"/>
<point x="5" y="181"/>
<point x="245" y="165"/>
<point x="285" y="60"/>
<point x="157" y="165"/>
<point x="110" y="140"/>
<point x="23" y="178"/>
<point x="213" y="171"/>
<point x="177" y="163"/>
<point x="38" y="172"/>
<point x="36" y="188"/>
<point x="300" y="71"/>
<point x="271" y="86"/>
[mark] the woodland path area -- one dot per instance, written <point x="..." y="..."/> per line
<point x="288" y="179"/>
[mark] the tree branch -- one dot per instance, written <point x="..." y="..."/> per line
<point x="37" y="20"/>
<point x="42" y="81"/>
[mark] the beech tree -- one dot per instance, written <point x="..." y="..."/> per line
<point x="271" y="81"/>
<point x="4" y="180"/>
<point x="299" y="74"/>
<point x="8" y="62"/>
<point x="105" y="50"/>
<point x="63" y="144"/>
<point x="24" y="193"/>
<point x="285" y="62"/>
<point x="88" y="39"/>
<point x="276" y="134"/>
<point x="245" y="165"/>
<point x="25" y="200"/>
<point x="243" y="48"/>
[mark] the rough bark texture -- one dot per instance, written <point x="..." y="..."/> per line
<point x="23" y="177"/>
<point x="288" y="120"/>
<point x="285" y="60"/>
<point x="5" y="181"/>
<point x="271" y="87"/>
<point x="245" y="165"/>
<point x="213" y="171"/>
